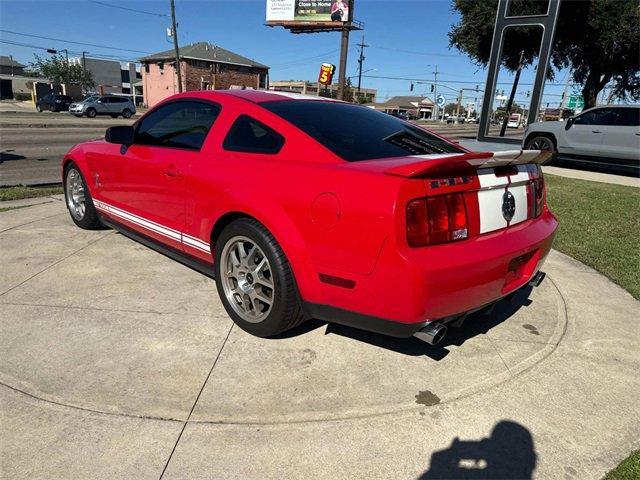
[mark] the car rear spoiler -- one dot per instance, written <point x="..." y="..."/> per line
<point x="437" y="166"/>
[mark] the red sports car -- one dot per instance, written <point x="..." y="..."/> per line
<point x="304" y="207"/>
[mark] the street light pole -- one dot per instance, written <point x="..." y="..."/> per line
<point x="175" y="45"/>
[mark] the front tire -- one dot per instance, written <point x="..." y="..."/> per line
<point x="91" y="113"/>
<point x="126" y="113"/>
<point x="78" y="199"/>
<point x="255" y="281"/>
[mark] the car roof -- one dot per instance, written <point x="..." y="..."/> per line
<point x="255" y="96"/>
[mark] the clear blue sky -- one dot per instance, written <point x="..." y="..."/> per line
<point x="394" y="29"/>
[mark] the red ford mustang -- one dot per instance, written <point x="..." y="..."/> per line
<point x="304" y="207"/>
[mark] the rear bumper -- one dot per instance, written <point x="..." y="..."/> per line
<point x="414" y="286"/>
<point x="390" y="327"/>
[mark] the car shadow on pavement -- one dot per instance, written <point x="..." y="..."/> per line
<point x="508" y="452"/>
<point x="478" y="323"/>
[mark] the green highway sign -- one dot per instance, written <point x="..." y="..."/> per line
<point x="576" y="102"/>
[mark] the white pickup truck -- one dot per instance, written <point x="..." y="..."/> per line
<point x="608" y="134"/>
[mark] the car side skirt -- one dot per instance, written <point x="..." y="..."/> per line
<point x="182" y="257"/>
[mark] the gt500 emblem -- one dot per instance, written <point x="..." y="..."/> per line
<point x="508" y="206"/>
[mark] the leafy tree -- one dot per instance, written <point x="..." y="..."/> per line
<point x="450" y="108"/>
<point x="58" y="70"/>
<point x="599" y="40"/>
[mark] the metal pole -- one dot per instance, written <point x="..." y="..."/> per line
<point x="503" y="129"/>
<point x="84" y="69"/>
<point x="458" y="106"/>
<point x="360" y="63"/>
<point x="342" y="78"/>
<point x="435" y="93"/>
<point x="175" y="45"/>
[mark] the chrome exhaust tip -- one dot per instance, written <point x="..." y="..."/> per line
<point x="537" y="279"/>
<point x="433" y="333"/>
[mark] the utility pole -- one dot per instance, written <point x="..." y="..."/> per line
<point x="342" y="77"/>
<point x="360" y="63"/>
<point x="458" y="105"/>
<point x="435" y="93"/>
<point x="84" y="69"/>
<point x="503" y="129"/>
<point x="174" y="28"/>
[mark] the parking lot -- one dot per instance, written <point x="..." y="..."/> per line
<point x="121" y="363"/>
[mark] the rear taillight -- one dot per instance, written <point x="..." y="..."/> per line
<point x="436" y="220"/>
<point x="538" y="195"/>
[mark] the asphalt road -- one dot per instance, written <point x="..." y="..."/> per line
<point x="32" y="144"/>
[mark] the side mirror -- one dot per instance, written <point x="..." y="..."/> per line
<point x="569" y="122"/>
<point x="121" y="135"/>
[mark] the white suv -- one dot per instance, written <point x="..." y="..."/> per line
<point x="608" y="134"/>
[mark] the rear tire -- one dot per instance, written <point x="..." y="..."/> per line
<point x="255" y="281"/>
<point x="91" y="113"/>
<point x="126" y="113"/>
<point x="78" y="199"/>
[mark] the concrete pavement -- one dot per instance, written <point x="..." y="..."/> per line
<point x="117" y="362"/>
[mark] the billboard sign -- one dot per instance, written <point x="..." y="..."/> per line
<point x="308" y="11"/>
<point x="326" y="74"/>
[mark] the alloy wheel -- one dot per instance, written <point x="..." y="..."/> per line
<point x="541" y="143"/>
<point x="247" y="279"/>
<point x="74" y="192"/>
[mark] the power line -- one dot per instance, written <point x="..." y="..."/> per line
<point x="72" y="52"/>
<point x="129" y="9"/>
<point x="300" y="61"/>
<point x="412" y="52"/>
<point x="455" y="82"/>
<point x="69" y="41"/>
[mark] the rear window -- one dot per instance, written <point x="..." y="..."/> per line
<point x="357" y="133"/>
<point x="251" y="136"/>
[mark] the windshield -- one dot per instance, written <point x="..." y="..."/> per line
<point x="88" y="99"/>
<point x="357" y="133"/>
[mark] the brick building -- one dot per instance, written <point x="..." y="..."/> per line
<point x="203" y="67"/>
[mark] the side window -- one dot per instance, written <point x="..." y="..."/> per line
<point x="181" y="124"/>
<point x="591" y="117"/>
<point x="628" y="117"/>
<point x="249" y="135"/>
<point x="104" y="100"/>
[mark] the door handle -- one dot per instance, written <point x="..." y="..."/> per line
<point x="172" y="172"/>
<point x="595" y="131"/>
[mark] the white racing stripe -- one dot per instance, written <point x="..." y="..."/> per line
<point x="490" y="197"/>
<point x="170" y="233"/>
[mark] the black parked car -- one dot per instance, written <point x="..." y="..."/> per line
<point x="55" y="103"/>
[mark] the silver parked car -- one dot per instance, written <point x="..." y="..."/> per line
<point x="103" y="105"/>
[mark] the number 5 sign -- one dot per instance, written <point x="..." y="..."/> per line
<point x="326" y="73"/>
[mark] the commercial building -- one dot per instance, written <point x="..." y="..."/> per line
<point x="203" y="66"/>
<point x="314" y="88"/>
<point x="415" y="107"/>
<point x="111" y="76"/>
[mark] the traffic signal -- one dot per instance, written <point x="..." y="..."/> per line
<point x="411" y="87"/>
<point x="477" y="88"/>
<point x="432" y="88"/>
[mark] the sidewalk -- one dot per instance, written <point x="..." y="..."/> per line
<point x="593" y="176"/>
